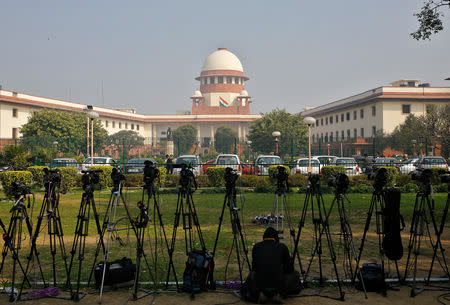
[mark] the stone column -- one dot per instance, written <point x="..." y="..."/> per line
<point x="211" y="134"/>
<point x="153" y="135"/>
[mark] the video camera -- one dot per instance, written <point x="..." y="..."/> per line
<point x="19" y="188"/>
<point x="187" y="177"/>
<point x="340" y="182"/>
<point x="423" y="176"/>
<point x="51" y="176"/>
<point x="116" y="176"/>
<point x="90" y="178"/>
<point x="282" y="176"/>
<point x="230" y="177"/>
<point x="380" y="178"/>
<point x="151" y="173"/>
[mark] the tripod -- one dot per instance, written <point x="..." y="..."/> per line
<point x="186" y="210"/>
<point x="50" y="210"/>
<point x="238" y="237"/>
<point x="89" y="179"/>
<point x="13" y="238"/>
<point x="315" y="200"/>
<point x="423" y="206"/>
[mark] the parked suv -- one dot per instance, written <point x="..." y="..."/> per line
<point x="408" y="166"/>
<point x="136" y="166"/>
<point x="351" y="167"/>
<point x="191" y="160"/>
<point x="301" y="166"/>
<point x="263" y="162"/>
<point x="229" y="160"/>
<point x="429" y="162"/>
<point x="98" y="161"/>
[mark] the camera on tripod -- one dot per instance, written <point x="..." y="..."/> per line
<point x="90" y="178"/>
<point x="19" y="188"/>
<point x="282" y="176"/>
<point x="187" y="178"/>
<point x="380" y="178"/>
<point x="230" y="177"/>
<point x="340" y="182"/>
<point x="423" y="176"/>
<point x="444" y="175"/>
<point x="116" y="176"/>
<point x="151" y="173"/>
<point x="51" y="176"/>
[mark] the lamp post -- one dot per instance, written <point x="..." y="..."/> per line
<point x="328" y="147"/>
<point x="91" y="116"/>
<point x="249" y="143"/>
<point x="276" y="134"/>
<point x="309" y="121"/>
<point x="414" y="146"/>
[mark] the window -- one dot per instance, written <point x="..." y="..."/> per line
<point x="132" y="126"/>
<point x="211" y="80"/>
<point x="374" y="111"/>
<point x="348" y="134"/>
<point x="326" y="137"/>
<point x="14" y="133"/>
<point x="15" y="113"/>
<point x="317" y="122"/>
<point x="321" y="122"/>
<point x="120" y="125"/>
<point x="355" y="133"/>
<point x="406" y="108"/>
<point x="106" y="124"/>
<point x="361" y="114"/>
<point x="228" y="79"/>
<point x="411" y="84"/>
<point x="331" y="120"/>
<point x="237" y="80"/>
<point x="313" y="138"/>
<point x="337" y="135"/>
<point x="342" y="117"/>
<point x="331" y="136"/>
<point x="113" y="124"/>
<point x="374" y="130"/>
<point x="354" y="115"/>
<point x="321" y="137"/>
<point x="220" y="79"/>
<point x="205" y="80"/>
<point x="337" y="119"/>
<point x="362" y="132"/>
<point x="326" y="121"/>
<point x="342" y="135"/>
<point x="348" y="116"/>
<point x="137" y="126"/>
<point x="126" y="125"/>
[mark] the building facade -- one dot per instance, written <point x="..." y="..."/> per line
<point x="221" y="101"/>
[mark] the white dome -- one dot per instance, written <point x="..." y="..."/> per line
<point x="222" y="59"/>
<point x="243" y="93"/>
<point x="197" y="93"/>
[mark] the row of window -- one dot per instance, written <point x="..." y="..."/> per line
<point x="334" y="136"/>
<point x="222" y="80"/>
<point x="113" y="125"/>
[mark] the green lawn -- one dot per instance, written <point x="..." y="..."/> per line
<point x="208" y="207"/>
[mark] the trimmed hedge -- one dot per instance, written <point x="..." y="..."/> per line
<point x="402" y="180"/>
<point x="391" y="174"/>
<point x="69" y="177"/>
<point x="9" y="177"/>
<point x="38" y="174"/>
<point x="172" y="180"/>
<point x="134" y="180"/>
<point x="105" y="176"/>
<point x="202" y="181"/>
<point x="330" y="171"/>
<point x="215" y="175"/>
<point x="298" y="180"/>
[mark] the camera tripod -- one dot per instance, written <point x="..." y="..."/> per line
<point x="90" y="179"/>
<point x="238" y="237"/>
<point x="50" y="211"/>
<point x="13" y="240"/>
<point x="186" y="210"/>
<point x="420" y="222"/>
<point x="320" y="220"/>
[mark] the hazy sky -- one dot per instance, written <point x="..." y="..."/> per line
<point x="147" y="53"/>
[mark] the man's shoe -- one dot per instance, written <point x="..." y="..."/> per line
<point x="277" y="299"/>
<point x="262" y="299"/>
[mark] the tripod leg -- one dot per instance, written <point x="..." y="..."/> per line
<point x="196" y="222"/>
<point x="60" y="234"/>
<point x="220" y="224"/>
<point x="178" y="212"/>
<point x="301" y="224"/>
<point x="412" y="234"/>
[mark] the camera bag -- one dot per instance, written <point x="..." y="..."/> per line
<point x="393" y="224"/>
<point x="118" y="273"/>
<point x="372" y="275"/>
<point x="199" y="269"/>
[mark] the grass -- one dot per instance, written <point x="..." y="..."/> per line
<point x="208" y="208"/>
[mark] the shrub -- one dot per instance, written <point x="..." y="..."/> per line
<point x="358" y="180"/>
<point x="249" y="180"/>
<point x="215" y="175"/>
<point x="38" y="174"/>
<point x="162" y="175"/>
<point x="15" y="176"/>
<point x="172" y="180"/>
<point x="298" y="180"/>
<point x="435" y="179"/>
<point x="202" y="181"/>
<point x="263" y="185"/>
<point x="402" y="180"/>
<point x="213" y="190"/>
<point x="330" y="171"/>
<point x="68" y="178"/>
<point x="105" y="175"/>
<point x="391" y="174"/>
<point x="440" y="188"/>
<point x="362" y="188"/>
<point x="409" y="188"/>
<point x="134" y="180"/>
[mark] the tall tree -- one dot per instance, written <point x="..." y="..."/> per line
<point x="126" y="140"/>
<point x="224" y="139"/>
<point x="184" y="138"/>
<point x="67" y="128"/>
<point x="293" y="133"/>
<point x="429" y="18"/>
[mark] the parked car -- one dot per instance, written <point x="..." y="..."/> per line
<point x="247" y="169"/>
<point x="408" y="166"/>
<point x="324" y="160"/>
<point x="263" y="162"/>
<point x="229" y="160"/>
<point x="301" y="166"/>
<point x="351" y="167"/>
<point x="191" y="160"/>
<point x="429" y="162"/>
<point x="136" y="166"/>
<point x="208" y="164"/>
<point x="381" y="162"/>
<point x="64" y="162"/>
<point x="98" y="161"/>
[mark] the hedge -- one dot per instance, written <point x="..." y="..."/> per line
<point x="215" y="175"/>
<point x="105" y="176"/>
<point x="172" y="180"/>
<point x="134" y="180"/>
<point x="330" y="171"/>
<point x="15" y="176"/>
<point x="38" y="174"/>
<point x="391" y="174"/>
<point x="69" y="177"/>
<point x="298" y="180"/>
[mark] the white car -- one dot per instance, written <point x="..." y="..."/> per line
<point x="408" y="166"/>
<point x="229" y="160"/>
<point x="263" y="162"/>
<point x="431" y="161"/>
<point x="351" y="167"/>
<point x="191" y="160"/>
<point x="98" y="161"/>
<point x="301" y="166"/>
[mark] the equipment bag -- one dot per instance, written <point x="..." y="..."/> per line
<point x="117" y="272"/>
<point x="393" y="224"/>
<point x="199" y="269"/>
<point x="372" y="275"/>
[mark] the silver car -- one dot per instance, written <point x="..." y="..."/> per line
<point x="263" y="162"/>
<point x="98" y="161"/>
<point x="301" y="166"/>
<point x="408" y="166"/>
<point x="351" y="167"/>
<point x="429" y="162"/>
<point x="191" y="160"/>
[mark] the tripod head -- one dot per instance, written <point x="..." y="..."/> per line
<point x="117" y="177"/>
<point x="380" y="178"/>
<point x="230" y="177"/>
<point x="51" y="177"/>
<point x="89" y="179"/>
<point x="314" y="183"/>
<point x="151" y="173"/>
<point x="423" y="176"/>
<point x="19" y="190"/>
<point x="187" y="178"/>
<point x="340" y="182"/>
<point x="282" y="176"/>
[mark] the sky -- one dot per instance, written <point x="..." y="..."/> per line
<point x="146" y="54"/>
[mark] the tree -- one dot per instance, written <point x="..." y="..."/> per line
<point x="184" y="138"/>
<point x="14" y="155"/>
<point x="429" y="19"/>
<point x="126" y="140"/>
<point x="293" y="133"/>
<point x="46" y="127"/>
<point x="224" y="139"/>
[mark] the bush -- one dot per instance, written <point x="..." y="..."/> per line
<point x="409" y="188"/>
<point x="435" y="179"/>
<point x="358" y="180"/>
<point x="203" y="181"/>
<point x="105" y="176"/>
<point x="330" y="171"/>
<point x="172" y="180"/>
<point x="250" y="180"/>
<point x="391" y="174"/>
<point x="362" y="189"/>
<point x="15" y="176"/>
<point x="440" y="188"/>
<point x="213" y="190"/>
<point x="402" y="180"/>
<point x="215" y="175"/>
<point x="68" y="179"/>
<point x="298" y="180"/>
<point x="38" y="174"/>
<point x="134" y="180"/>
<point x="264" y="186"/>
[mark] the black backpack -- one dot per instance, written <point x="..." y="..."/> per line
<point x="118" y="273"/>
<point x="199" y="270"/>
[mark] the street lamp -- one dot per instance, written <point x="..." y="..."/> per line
<point x="249" y="143"/>
<point x="276" y="134"/>
<point x="414" y="146"/>
<point x="91" y="116"/>
<point x="309" y="121"/>
<point x="328" y="146"/>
